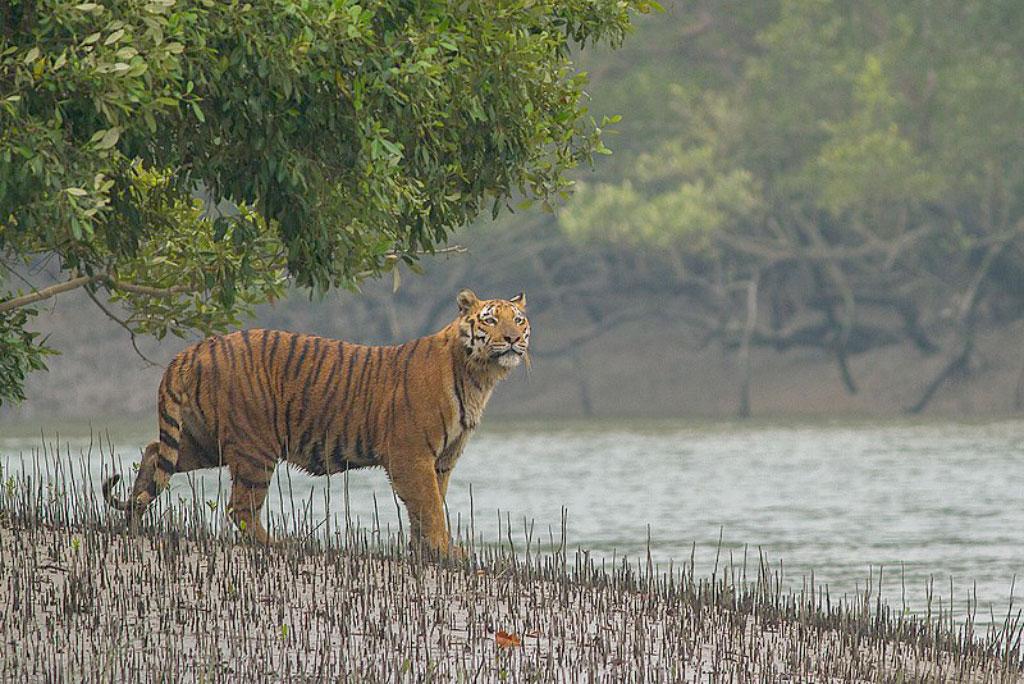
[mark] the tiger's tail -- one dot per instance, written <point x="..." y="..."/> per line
<point x="146" y="486"/>
<point x="113" y="501"/>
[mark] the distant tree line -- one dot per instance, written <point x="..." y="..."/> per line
<point x="832" y="174"/>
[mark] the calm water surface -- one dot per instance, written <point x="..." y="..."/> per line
<point x="926" y="501"/>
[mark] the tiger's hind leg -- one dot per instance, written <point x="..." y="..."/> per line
<point x="249" y="485"/>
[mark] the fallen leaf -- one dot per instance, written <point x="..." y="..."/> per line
<point x="505" y="640"/>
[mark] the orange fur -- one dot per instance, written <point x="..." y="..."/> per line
<point x="251" y="399"/>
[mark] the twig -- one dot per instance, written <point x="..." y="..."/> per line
<point x="18" y="276"/>
<point x="124" y="325"/>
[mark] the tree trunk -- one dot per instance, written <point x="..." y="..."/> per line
<point x="746" y="367"/>
<point x="1018" y="397"/>
<point x="967" y="319"/>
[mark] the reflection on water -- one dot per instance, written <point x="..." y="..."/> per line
<point x="920" y="500"/>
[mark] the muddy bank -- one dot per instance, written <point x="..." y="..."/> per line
<point x="92" y="605"/>
<point x="85" y="600"/>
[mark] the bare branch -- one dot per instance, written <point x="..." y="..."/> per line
<point x="82" y="281"/>
<point x="46" y="293"/>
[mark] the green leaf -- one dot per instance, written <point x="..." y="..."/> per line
<point x="109" y="138"/>
<point x="114" y="37"/>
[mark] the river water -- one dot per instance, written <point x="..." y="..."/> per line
<point x="926" y="502"/>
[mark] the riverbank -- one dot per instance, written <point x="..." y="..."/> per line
<point x="86" y="601"/>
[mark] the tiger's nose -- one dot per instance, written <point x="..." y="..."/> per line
<point x="510" y="340"/>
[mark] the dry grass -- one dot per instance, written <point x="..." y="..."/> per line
<point x="85" y="600"/>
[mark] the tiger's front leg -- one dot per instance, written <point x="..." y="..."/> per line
<point x="415" y="483"/>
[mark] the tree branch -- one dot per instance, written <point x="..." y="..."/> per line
<point x="82" y="281"/>
<point x="46" y="293"/>
<point x="144" y="290"/>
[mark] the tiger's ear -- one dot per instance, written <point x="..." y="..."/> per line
<point x="519" y="300"/>
<point x="467" y="299"/>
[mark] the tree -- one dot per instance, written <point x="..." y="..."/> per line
<point x="346" y="138"/>
<point x="833" y="174"/>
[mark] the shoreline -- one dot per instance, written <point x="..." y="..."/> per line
<point x="143" y="425"/>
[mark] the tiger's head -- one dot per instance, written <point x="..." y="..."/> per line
<point x="494" y="331"/>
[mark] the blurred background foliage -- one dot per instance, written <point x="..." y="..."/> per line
<point x="822" y="172"/>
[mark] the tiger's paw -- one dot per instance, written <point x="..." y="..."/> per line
<point x="449" y="552"/>
<point x="457" y="552"/>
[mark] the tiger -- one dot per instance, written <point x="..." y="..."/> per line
<point x="253" y="398"/>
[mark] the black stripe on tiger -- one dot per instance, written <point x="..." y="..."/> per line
<point x="458" y="396"/>
<point x="198" y="390"/>
<point x="353" y="359"/>
<point x="166" y="438"/>
<point x="304" y="441"/>
<point x="167" y="419"/>
<point x="334" y="387"/>
<point x="405" y="375"/>
<point x="299" y="365"/>
<point x="164" y="464"/>
<point x="292" y="343"/>
<point x="214" y="366"/>
<point x="272" y="354"/>
<point x="229" y="352"/>
<point x="316" y="459"/>
<point x="338" y="459"/>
